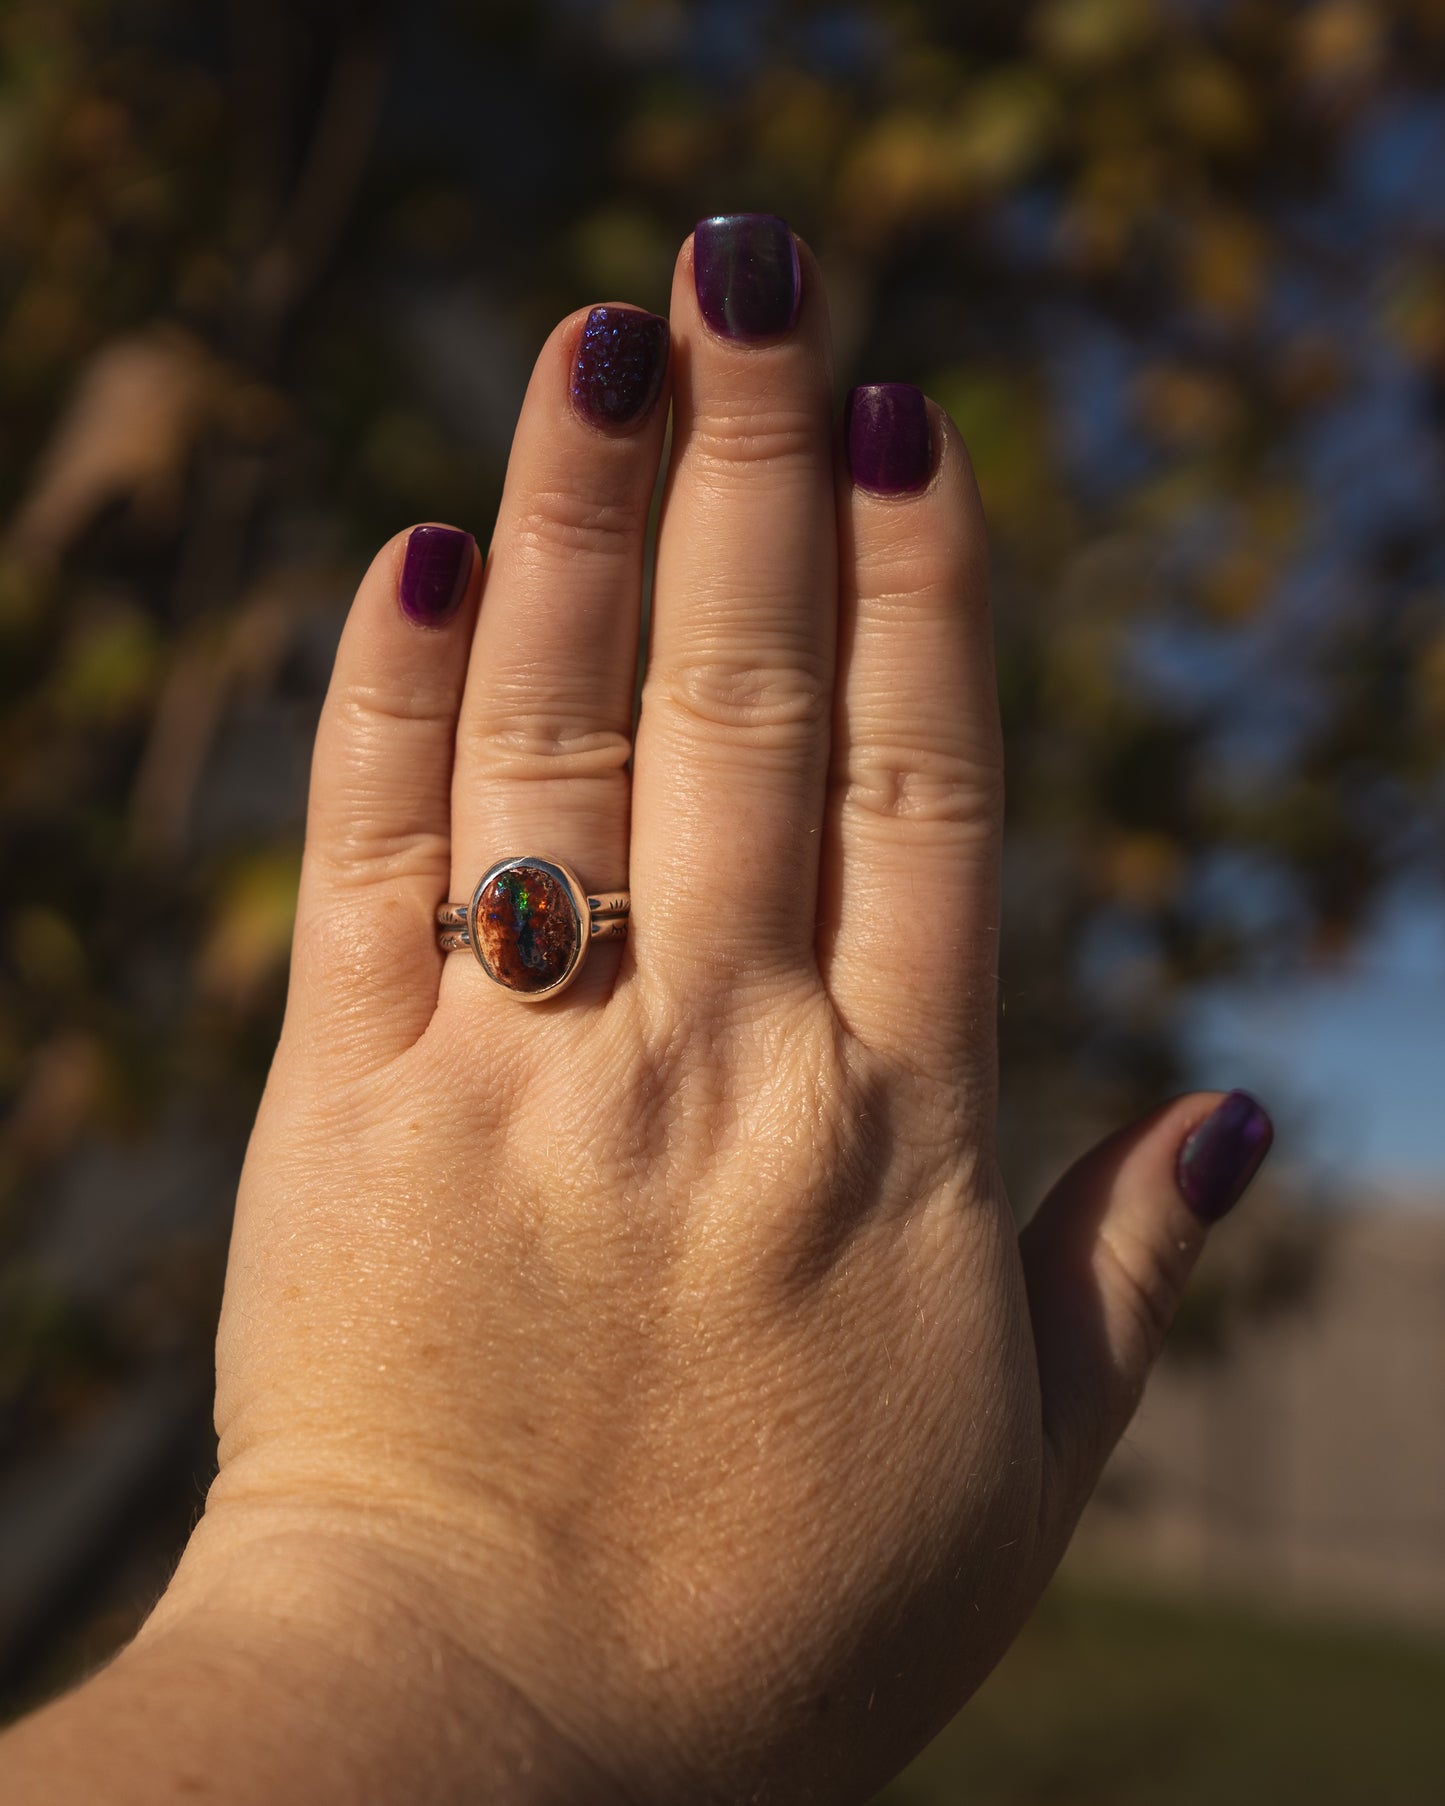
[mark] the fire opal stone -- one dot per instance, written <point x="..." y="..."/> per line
<point x="528" y="934"/>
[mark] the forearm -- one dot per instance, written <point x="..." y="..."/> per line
<point x="281" y="1680"/>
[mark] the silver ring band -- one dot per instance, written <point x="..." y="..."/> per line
<point x="530" y="923"/>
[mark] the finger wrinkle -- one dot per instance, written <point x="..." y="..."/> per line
<point x="734" y="696"/>
<point x="374" y="709"/>
<point x="552" y="746"/>
<point x="898" y="790"/>
<point x="717" y="448"/>
<point x="562" y="521"/>
<point x="355" y="854"/>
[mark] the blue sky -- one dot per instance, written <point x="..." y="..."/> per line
<point x="1353" y="1060"/>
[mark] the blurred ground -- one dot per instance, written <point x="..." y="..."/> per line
<point x="1117" y="1699"/>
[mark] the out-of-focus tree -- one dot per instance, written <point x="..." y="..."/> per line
<point x="270" y="275"/>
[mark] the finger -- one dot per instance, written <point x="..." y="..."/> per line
<point x="733" y="737"/>
<point x="1106" y="1258"/>
<point x="545" y="736"/>
<point x="365" y="965"/>
<point x="909" y="936"/>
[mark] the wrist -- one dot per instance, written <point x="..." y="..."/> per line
<point x="312" y="1663"/>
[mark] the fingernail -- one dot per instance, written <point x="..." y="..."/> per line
<point x="890" y="446"/>
<point x="619" y="366"/>
<point x="746" y="271"/>
<point x="434" y="574"/>
<point x="1223" y="1154"/>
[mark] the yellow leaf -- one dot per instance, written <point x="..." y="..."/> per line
<point x="1413" y="311"/>
<point x="998" y="416"/>
<point x="1093" y="32"/>
<point x="1117" y="190"/>
<point x="1236" y="583"/>
<point x="1340" y="42"/>
<point x="1186" y="408"/>
<point x="898" y="170"/>
<point x="250" y="938"/>
<point x="1225" y="265"/>
<point x="620" y="251"/>
<point x="109" y="668"/>
<point x="1003" y="125"/>
<point x="47" y="949"/>
<point x="1275" y="513"/>
<point x="1207" y="98"/>
<point x="1141" y="869"/>
<point x="1081" y="672"/>
<point x="799" y="124"/>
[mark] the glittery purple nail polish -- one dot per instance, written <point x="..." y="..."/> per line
<point x="746" y="272"/>
<point x="1223" y="1154"/>
<point x="890" y="446"/>
<point x="434" y="574"/>
<point x="619" y="365"/>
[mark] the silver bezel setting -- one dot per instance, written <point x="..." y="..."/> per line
<point x="581" y="917"/>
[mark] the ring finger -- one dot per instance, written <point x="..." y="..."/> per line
<point x="544" y="735"/>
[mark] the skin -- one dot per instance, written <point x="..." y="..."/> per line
<point x="645" y="1395"/>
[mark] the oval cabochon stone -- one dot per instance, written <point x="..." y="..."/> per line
<point x="528" y="931"/>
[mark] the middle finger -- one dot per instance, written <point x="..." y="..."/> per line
<point x="732" y="747"/>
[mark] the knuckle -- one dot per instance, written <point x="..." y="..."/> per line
<point x="926" y="786"/>
<point x="1148" y="1293"/>
<point x="721" y="444"/>
<point x="899" y="578"/>
<point x="364" y="709"/>
<point x="735" y="695"/>
<point x="545" y="744"/>
<point x="357" y="853"/>
<point x="563" y="522"/>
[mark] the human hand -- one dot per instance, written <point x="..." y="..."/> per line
<point x="666" y="1352"/>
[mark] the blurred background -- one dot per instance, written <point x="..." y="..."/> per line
<point x="271" y="278"/>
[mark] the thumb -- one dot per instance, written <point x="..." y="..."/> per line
<point x="1106" y="1257"/>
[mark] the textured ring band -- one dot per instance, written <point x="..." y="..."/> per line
<point x="530" y="923"/>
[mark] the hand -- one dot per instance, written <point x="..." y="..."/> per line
<point x="665" y="1353"/>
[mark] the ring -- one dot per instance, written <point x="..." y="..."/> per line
<point x="530" y="924"/>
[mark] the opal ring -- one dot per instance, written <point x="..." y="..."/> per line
<point x="530" y="924"/>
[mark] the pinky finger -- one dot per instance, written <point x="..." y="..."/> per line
<point x="365" y="967"/>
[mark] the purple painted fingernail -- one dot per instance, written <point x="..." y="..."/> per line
<point x="890" y="446"/>
<point x="1223" y="1154"/>
<point x="619" y="366"/>
<point x="434" y="574"/>
<point x="746" y="271"/>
